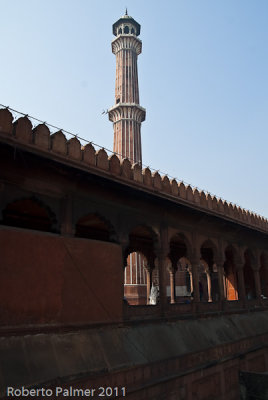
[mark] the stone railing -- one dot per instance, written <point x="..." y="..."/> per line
<point x="208" y="307"/>
<point x="71" y="151"/>
<point x="179" y="308"/>
<point x="191" y="310"/>
<point x="133" y="313"/>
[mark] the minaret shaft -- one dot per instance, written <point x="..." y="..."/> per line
<point x="127" y="114"/>
<point x="127" y="139"/>
<point x="126" y="82"/>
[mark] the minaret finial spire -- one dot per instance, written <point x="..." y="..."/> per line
<point x="126" y="11"/>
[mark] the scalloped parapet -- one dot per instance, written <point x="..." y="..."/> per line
<point x="209" y="201"/>
<point x="102" y="160"/>
<point x="42" y="136"/>
<point x="246" y="218"/>
<point x="231" y="210"/>
<point x="182" y="190"/>
<point x="114" y="165"/>
<point x="174" y="187"/>
<point x="203" y="200"/>
<point x="137" y="173"/>
<point x="236" y="213"/>
<point x="6" y="119"/>
<point x="189" y="193"/>
<point x="22" y="129"/>
<point x="59" y="143"/>
<point x="89" y="154"/>
<point x="214" y="203"/>
<point x="220" y="206"/>
<point x="74" y="149"/>
<point x="126" y="170"/>
<point x="196" y="195"/>
<point x="166" y="184"/>
<point x="147" y="177"/>
<point x="226" y="207"/>
<point x="250" y="221"/>
<point x="157" y="181"/>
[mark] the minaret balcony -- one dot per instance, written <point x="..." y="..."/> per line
<point x="127" y="42"/>
<point x="130" y="111"/>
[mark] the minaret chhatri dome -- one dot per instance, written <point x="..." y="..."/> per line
<point x="127" y="114"/>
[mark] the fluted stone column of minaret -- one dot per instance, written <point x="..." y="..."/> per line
<point x="127" y="115"/>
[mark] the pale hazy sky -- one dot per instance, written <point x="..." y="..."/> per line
<point x="202" y="75"/>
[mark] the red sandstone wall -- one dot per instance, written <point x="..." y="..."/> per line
<point x="217" y="382"/>
<point x="48" y="279"/>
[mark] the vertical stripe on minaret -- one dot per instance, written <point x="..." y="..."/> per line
<point x="127" y="114"/>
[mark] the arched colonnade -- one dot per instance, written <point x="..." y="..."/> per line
<point x="184" y="266"/>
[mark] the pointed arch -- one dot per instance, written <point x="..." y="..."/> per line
<point x="144" y="239"/>
<point x="139" y="259"/>
<point x="94" y="226"/>
<point x="29" y="213"/>
<point x="177" y="270"/>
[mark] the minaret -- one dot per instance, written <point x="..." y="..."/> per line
<point x="127" y="114"/>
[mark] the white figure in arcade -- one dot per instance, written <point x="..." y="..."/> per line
<point x="153" y="295"/>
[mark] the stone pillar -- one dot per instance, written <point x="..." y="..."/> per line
<point x="209" y="287"/>
<point x="221" y="282"/>
<point x="195" y="260"/>
<point x="149" y="283"/>
<point x="123" y="240"/>
<point x="224" y="286"/>
<point x="162" y="278"/>
<point x="162" y="257"/>
<point x="191" y="281"/>
<point x="257" y="283"/>
<point x="172" y="275"/>
<point x="241" y="283"/>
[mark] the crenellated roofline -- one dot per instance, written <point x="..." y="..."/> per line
<point x="20" y="134"/>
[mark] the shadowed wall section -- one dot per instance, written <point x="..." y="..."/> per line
<point x="186" y="360"/>
<point x="52" y="280"/>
